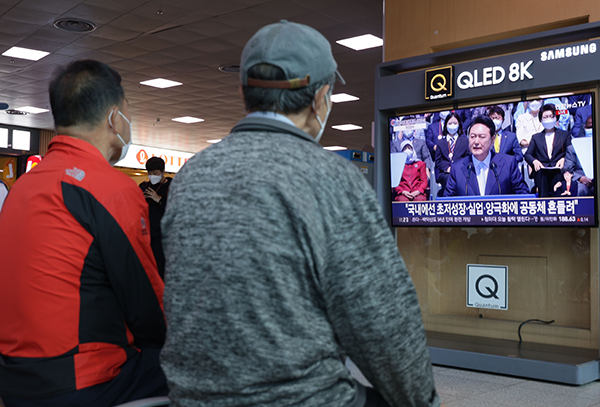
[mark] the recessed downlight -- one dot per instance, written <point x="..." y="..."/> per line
<point x="230" y="68"/>
<point x="74" y="25"/>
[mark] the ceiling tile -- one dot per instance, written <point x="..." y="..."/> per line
<point x="54" y="6"/>
<point x="95" y="14"/>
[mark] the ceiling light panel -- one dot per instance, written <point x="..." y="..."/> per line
<point x="346" y="127"/>
<point x="25" y="53"/>
<point x="343" y="97"/>
<point x="161" y="83"/>
<point x="361" y="42"/>
<point x="188" y="119"/>
<point x="335" y="148"/>
<point x="32" y="110"/>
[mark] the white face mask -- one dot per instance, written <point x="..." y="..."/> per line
<point x="497" y="123"/>
<point x="535" y="105"/>
<point x="154" y="179"/>
<point x="125" y="145"/>
<point x="444" y="114"/>
<point x="408" y="133"/>
<point x="452" y="129"/>
<point x="322" y="123"/>
<point x="589" y="132"/>
<point x="549" y="123"/>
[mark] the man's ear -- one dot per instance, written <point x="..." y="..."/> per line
<point x="112" y="117"/>
<point x="320" y="97"/>
<point x="241" y="93"/>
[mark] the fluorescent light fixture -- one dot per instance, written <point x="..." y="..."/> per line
<point x="555" y="95"/>
<point x="3" y="138"/>
<point x="343" y="97"/>
<point x="213" y="141"/>
<point x="346" y="127"/>
<point x="33" y="110"/>
<point x="161" y="83"/>
<point x="187" y="119"/>
<point x="361" y="42"/>
<point x="335" y="148"/>
<point x="21" y="140"/>
<point x="25" y="53"/>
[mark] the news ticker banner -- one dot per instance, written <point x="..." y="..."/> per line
<point x="572" y="211"/>
<point x="138" y="155"/>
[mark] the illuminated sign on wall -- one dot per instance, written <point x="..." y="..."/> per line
<point x="138" y="155"/>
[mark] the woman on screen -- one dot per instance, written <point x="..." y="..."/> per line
<point x="547" y="151"/>
<point x="413" y="182"/>
<point x="451" y="145"/>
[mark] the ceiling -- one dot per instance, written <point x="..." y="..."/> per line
<point x="185" y="41"/>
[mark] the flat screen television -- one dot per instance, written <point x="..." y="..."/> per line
<point x="444" y="189"/>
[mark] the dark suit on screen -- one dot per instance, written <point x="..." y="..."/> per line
<point x="510" y="145"/>
<point x="545" y="179"/>
<point x="431" y="135"/>
<point x="503" y="177"/>
<point x="443" y="159"/>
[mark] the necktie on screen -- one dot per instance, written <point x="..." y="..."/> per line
<point x="497" y="144"/>
<point x="451" y="144"/>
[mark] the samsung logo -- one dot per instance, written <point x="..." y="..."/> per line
<point x="568" y="52"/>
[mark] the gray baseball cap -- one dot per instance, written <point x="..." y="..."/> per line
<point x="302" y="52"/>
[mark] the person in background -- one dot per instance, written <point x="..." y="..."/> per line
<point x="484" y="172"/>
<point x="414" y="177"/>
<point x="156" y="192"/>
<point x="529" y="124"/>
<point x="3" y="193"/>
<point x="80" y="296"/>
<point x="451" y="145"/>
<point x="584" y="185"/>
<point x="505" y="141"/>
<point x="419" y="146"/>
<point x="547" y="152"/>
<point x="435" y="129"/>
<point x="581" y="116"/>
<point x="275" y="273"/>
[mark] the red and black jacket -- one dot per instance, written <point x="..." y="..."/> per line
<point x="79" y="289"/>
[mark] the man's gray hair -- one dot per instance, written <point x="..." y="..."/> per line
<point x="284" y="101"/>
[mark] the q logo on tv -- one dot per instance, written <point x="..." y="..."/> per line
<point x="438" y="83"/>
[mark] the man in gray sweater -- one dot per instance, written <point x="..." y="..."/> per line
<point x="279" y="262"/>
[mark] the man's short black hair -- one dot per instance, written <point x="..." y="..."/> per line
<point x="155" y="163"/>
<point x="547" y="107"/>
<point x="496" y="109"/>
<point x="82" y="92"/>
<point x="486" y="121"/>
<point x="284" y="101"/>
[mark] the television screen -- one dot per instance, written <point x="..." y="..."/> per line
<point x="525" y="163"/>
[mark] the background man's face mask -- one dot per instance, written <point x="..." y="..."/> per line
<point x="125" y="146"/>
<point x="322" y="123"/>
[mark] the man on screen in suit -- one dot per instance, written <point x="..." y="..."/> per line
<point x="505" y="141"/>
<point x="484" y="172"/>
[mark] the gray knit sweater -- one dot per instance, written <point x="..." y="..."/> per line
<point x="278" y="263"/>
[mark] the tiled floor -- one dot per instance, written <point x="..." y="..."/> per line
<point x="464" y="388"/>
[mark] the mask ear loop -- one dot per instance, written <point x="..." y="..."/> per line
<point x="110" y="119"/>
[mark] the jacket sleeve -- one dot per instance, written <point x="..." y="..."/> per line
<point x="119" y="227"/>
<point x="451" y="185"/>
<point x="369" y="296"/>
<point x="530" y="153"/>
<point x="516" y="149"/>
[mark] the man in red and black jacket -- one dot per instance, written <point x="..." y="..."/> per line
<point x="80" y="296"/>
